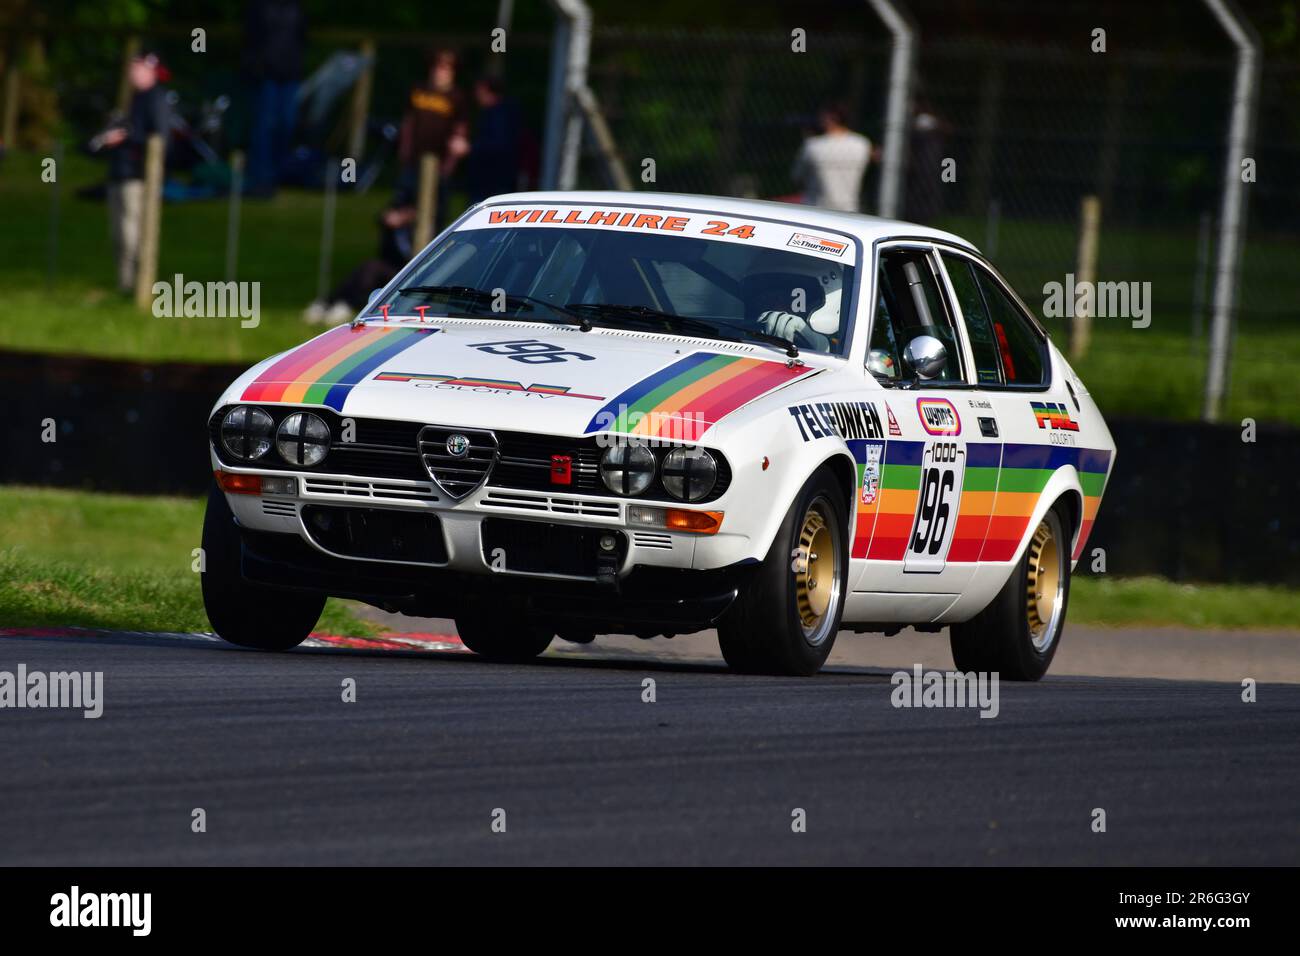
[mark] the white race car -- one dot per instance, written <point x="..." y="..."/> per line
<point x="588" y="412"/>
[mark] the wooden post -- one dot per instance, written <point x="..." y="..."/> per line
<point x="9" y="129"/>
<point x="361" y="102"/>
<point x="52" y="255"/>
<point x="130" y="50"/>
<point x="604" y="137"/>
<point x="232" y="216"/>
<point x="332" y="169"/>
<point x="151" y="221"/>
<point x="1086" y="271"/>
<point x="426" y="208"/>
<point x="1200" y="286"/>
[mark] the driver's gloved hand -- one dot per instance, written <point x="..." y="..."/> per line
<point x="793" y="328"/>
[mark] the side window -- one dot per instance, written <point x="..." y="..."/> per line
<point x="979" y="327"/>
<point x="1020" y="347"/>
<point x="910" y="305"/>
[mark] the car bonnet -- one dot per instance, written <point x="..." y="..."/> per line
<point x="526" y="376"/>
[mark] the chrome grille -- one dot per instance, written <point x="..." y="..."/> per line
<point x="457" y="476"/>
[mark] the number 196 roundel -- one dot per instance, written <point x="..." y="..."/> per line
<point x="586" y="413"/>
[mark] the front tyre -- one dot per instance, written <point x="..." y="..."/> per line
<point x="1018" y="633"/>
<point x="786" y="620"/>
<point x="241" y="612"/>
<point x="505" y="636"/>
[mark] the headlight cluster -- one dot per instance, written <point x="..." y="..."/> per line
<point x="688" y="474"/>
<point x="248" y="432"/>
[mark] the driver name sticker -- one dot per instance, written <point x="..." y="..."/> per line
<point x="719" y="227"/>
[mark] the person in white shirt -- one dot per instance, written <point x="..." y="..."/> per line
<point x="830" y="167"/>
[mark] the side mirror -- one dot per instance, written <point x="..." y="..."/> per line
<point x="926" y="356"/>
<point x="374" y="294"/>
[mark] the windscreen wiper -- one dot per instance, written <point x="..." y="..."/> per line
<point x="519" y="301"/>
<point x="682" y="323"/>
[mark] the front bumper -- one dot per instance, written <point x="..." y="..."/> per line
<point x="644" y="600"/>
<point x="461" y="524"/>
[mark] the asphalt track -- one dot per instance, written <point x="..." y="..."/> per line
<point x="586" y="772"/>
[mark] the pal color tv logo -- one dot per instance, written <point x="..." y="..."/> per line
<point x="938" y="416"/>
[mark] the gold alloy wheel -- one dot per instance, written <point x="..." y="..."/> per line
<point x="1044" y="586"/>
<point x="816" y="574"/>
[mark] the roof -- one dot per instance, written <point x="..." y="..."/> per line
<point x="868" y="228"/>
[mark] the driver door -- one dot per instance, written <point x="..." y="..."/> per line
<point x="940" y="461"/>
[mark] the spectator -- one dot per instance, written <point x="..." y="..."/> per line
<point x="435" y="122"/>
<point x="396" y="228"/>
<point x="493" y="159"/>
<point x="274" y="37"/>
<point x="146" y="115"/>
<point x="924" y="183"/>
<point x="830" y="166"/>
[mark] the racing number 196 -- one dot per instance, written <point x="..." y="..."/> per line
<point x="942" y="469"/>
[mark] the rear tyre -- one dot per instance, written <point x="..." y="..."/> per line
<point x="1018" y="633"/>
<point x="243" y="613"/>
<point x="786" y="620"/>
<point x="506" y="637"/>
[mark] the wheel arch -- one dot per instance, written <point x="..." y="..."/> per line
<point x="843" y="468"/>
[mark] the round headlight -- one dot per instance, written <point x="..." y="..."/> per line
<point x="246" y="432"/>
<point x="303" y="439"/>
<point x="689" y="473"/>
<point x="627" y="469"/>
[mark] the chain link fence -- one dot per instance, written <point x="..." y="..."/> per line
<point x="1031" y="129"/>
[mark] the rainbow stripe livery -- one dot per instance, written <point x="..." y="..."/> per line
<point x="326" y="369"/>
<point x="683" y="400"/>
<point x="1001" y="487"/>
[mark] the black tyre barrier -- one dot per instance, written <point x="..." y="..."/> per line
<point x="1187" y="501"/>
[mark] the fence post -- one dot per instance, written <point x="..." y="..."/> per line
<point x="332" y="168"/>
<point x="426" y="202"/>
<point x="604" y="139"/>
<point x="151" y="221"/>
<point x="986" y="125"/>
<point x="1232" y="217"/>
<point x="897" y="106"/>
<point x="993" y="228"/>
<point x="52" y="260"/>
<point x="9" y="129"/>
<point x="361" y="101"/>
<point x="232" y="215"/>
<point x="1202" y="279"/>
<point x="1085" y="271"/>
<point x="505" y="13"/>
<point x="578" y="53"/>
<point x="130" y="50"/>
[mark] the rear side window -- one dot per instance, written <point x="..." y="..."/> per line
<point x="979" y="327"/>
<point x="1022" y="350"/>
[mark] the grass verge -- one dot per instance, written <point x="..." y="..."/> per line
<point x="1125" y="602"/>
<point x="110" y="561"/>
<point x="121" y="562"/>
